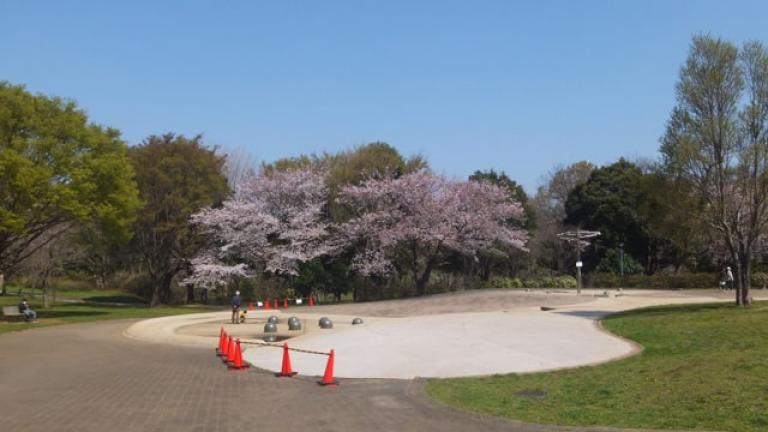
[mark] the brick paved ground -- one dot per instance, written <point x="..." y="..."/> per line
<point x="89" y="377"/>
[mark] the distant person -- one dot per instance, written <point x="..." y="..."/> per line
<point x="27" y="311"/>
<point x="728" y="278"/>
<point x="237" y="301"/>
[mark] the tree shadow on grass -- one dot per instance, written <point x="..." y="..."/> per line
<point x="672" y="309"/>
<point x="649" y="311"/>
<point x="117" y="299"/>
<point x="586" y="314"/>
<point x="69" y="313"/>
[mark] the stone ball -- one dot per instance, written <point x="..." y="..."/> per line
<point x="273" y="319"/>
<point x="357" y="321"/>
<point x="325" y="323"/>
<point x="270" y="328"/>
<point x="294" y="323"/>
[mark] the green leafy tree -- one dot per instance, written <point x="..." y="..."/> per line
<point x="680" y="239"/>
<point x="177" y="177"/>
<point x="352" y="167"/>
<point x="58" y="171"/>
<point x="615" y="262"/>
<point x="609" y="202"/>
<point x="717" y="140"/>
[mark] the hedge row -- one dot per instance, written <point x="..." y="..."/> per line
<point x="669" y="281"/>
<point x="610" y="280"/>
<point x="536" y="282"/>
<point x="655" y="281"/>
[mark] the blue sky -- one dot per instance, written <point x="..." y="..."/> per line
<point x="514" y="86"/>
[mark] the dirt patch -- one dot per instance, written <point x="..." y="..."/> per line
<point x="459" y="302"/>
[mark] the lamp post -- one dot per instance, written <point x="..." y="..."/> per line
<point x="621" y="265"/>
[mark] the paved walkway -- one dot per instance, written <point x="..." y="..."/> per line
<point x="88" y="377"/>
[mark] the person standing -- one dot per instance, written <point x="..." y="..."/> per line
<point x="728" y="278"/>
<point x="237" y="301"/>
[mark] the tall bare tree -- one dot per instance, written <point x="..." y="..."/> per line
<point x="716" y="139"/>
<point x="549" y="204"/>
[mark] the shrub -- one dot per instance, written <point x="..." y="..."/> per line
<point x="603" y="280"/>
<point x="504" y="282"/>
<point x="134" y="283"/>
<point x="565" y="282"/>
<point x="655" y="281"/>
<point x="759" y="280"/>
<point x="533" y="282"/>
<point x="611" y="263"/>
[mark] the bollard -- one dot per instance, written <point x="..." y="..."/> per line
<point x="294" y="323"/>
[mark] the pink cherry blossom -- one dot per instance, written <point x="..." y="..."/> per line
<point x="275" y="221"/>
<point x="426" y="215"/>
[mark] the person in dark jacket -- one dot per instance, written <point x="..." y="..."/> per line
<point x="27" y="311"/>
<point x="237" y="301"/>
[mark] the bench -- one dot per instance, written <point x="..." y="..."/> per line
<point x="12" y="313"/>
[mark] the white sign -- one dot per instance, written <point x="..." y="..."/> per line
<point x="578" y="264"/>
<point x="259" y="304"/>
<point x="299" y="301"/>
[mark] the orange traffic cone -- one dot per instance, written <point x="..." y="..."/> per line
<point x="266" y="304"/>
<point x="238" y="363"/>
<point x="274" y="304"/>
<point x="286" y="369"/>
<point x="223" y="351"/>
<point x="311" y="301"/>
<point x="221" y="341"/>
<point x="328" y="378"/>
<point x="230" y="353"/>
<point x="285" y="304"/>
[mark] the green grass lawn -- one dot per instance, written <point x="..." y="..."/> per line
<point x="704" y="367"/>
<point x="63" y="313"/>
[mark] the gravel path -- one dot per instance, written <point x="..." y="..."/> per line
<point x="463" y="301"/>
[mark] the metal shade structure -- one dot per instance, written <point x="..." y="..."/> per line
<point x="578" y="238"/>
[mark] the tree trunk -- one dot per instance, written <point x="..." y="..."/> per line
<point x="485" y="272"/>
<point x="155" y="297"/>
<point x="46" y="300"/>
<point x="423" y="280"/>
<point x="745" y="270"/>
<point x="162" y="290"/>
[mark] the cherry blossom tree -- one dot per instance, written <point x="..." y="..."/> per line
<point x="423" y="215"/>
<point x="275" y="222"/>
